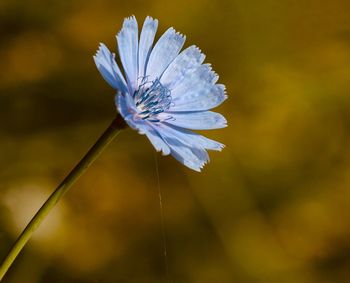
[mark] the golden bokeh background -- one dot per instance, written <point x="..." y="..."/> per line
<point x="273" y="207"/>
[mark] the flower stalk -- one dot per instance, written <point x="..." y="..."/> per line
<point x="111" y="132"/>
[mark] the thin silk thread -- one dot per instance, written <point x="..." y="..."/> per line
<point x="161" y="210"/>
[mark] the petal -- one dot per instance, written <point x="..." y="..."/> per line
<point x="157" y="142"/>
<point x="203" y="97"/>
<point x="204" y="120"/>
<point x="193" y="158"/>
<point x="192" y="139"/>
<point x="188" y="59"/>
<point x="163" y="53"/>
<point x="109" y="69"/>
<point x="126" y="109"/>
<point x="148" y="33"/>
<point x="188" y="147"/>
<point x="128" y="50"/>
<point x="201" y="77"/>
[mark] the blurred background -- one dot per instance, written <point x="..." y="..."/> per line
<point x="273" y="207"/>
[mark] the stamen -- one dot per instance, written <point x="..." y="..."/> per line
<point x="152" y="98"/>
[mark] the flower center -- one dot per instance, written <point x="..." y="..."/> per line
<point x="152" y="98"/>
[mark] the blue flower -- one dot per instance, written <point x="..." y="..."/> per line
<point x="164" y="93"/>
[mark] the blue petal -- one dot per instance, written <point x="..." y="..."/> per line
<point x="156" y="139"/>
<point x="157" y="142"/>
<point x="190" y="138"/>
<point x="109" y="69"/>
<point x="163" y="53"/>
<point x="128" y="50"/>
<point x="188" y="59"/>
<point x="193" y="158"/>
<point x="186" y="146"/>
<point x="203" y="97"/>
<point x="204" y="120"/>
<point x="148" y="33"/>
<point x="126" y="108"/>
<point x="201" y="77"/>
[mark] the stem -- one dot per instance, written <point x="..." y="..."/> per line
<point x="111" y="132"/>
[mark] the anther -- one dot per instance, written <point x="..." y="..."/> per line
<point x="152" y="98"/>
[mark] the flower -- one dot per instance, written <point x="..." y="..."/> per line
<point x="164" y="93"/>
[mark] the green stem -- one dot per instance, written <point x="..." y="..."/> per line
<point x="111" y="132"/>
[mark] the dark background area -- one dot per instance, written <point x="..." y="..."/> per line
<point x="272" y="207"/>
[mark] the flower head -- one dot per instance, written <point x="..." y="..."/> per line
<point x="164" y="93"/>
